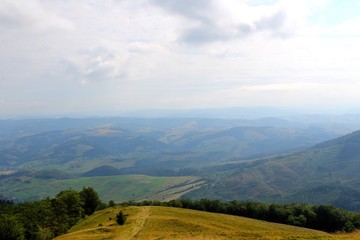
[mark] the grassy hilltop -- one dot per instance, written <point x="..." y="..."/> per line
<point x="173" y="223"/>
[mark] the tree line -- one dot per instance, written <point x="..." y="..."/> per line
<point x="46" y="218"/>
<point x="50" y="217"/>
<point x="321" y="217"/>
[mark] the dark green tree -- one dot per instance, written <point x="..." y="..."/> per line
<point x="111" y="203"/>
<point x="10" y="228"/>
<point x="90" y="200"/>
<point x="331" y="219"/>
<point x="67" y="210"/>
<point x="35" y="216"/>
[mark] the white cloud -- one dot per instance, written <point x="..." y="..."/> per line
<point x="99" y="64"/>
<point x="164" y="54"/>
<point x="29" y="14"/>
<point x="222" y="21"/>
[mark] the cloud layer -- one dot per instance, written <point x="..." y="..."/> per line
<point x="107" y="56"/>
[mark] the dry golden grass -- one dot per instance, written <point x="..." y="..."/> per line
<point x="171" y="223"/>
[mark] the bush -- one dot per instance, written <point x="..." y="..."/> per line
<point x="349" y="227"/>
<point x="120" y="218"/>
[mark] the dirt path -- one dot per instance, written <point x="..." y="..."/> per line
<point x="140" y="222"/>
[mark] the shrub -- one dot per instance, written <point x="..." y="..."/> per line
<point x="120" y="218"/>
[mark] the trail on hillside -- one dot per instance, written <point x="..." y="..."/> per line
<point x="140" y="222"/>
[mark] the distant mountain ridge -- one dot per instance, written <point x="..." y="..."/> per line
<point x="65" y="146"/>
<point x="157" y="140"/>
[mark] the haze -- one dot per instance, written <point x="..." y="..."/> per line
<point x="60" y="57"/>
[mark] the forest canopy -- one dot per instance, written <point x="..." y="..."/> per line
<point x="46" y="218"/>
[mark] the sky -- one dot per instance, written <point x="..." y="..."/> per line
<point x="86" y="56"/>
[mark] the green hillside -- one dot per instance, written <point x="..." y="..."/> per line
<point x="117" y="188"/>
<point x="326" y="173"/>
<point x="174" y="223"/>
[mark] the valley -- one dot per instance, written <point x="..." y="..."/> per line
<point x="271" y="160"/>
<point x="118" y="188"/>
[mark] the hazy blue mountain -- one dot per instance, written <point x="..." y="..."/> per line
<point x="149" y="143"/>
<point x="64" y="146"/>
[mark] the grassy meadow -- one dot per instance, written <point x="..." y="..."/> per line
<point x="172" y="223"/>
<point x="117" y="188"/>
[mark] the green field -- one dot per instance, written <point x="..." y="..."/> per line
<point x="117" y="188"/>
<point x="173" y="223"/>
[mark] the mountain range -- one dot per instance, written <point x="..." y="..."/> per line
<point x="261" y="159"/>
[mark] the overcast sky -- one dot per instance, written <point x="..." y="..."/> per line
<point x="89" y="56"/>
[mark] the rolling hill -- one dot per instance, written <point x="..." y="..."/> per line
<point x="59" y="147"/>
<point x="173" y="223"/>
<point x="71" y="144"/>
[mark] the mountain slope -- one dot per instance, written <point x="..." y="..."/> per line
<point x="173" y="223"/>
<point x="325" y="173"/>
<point x="249" y="141"/>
